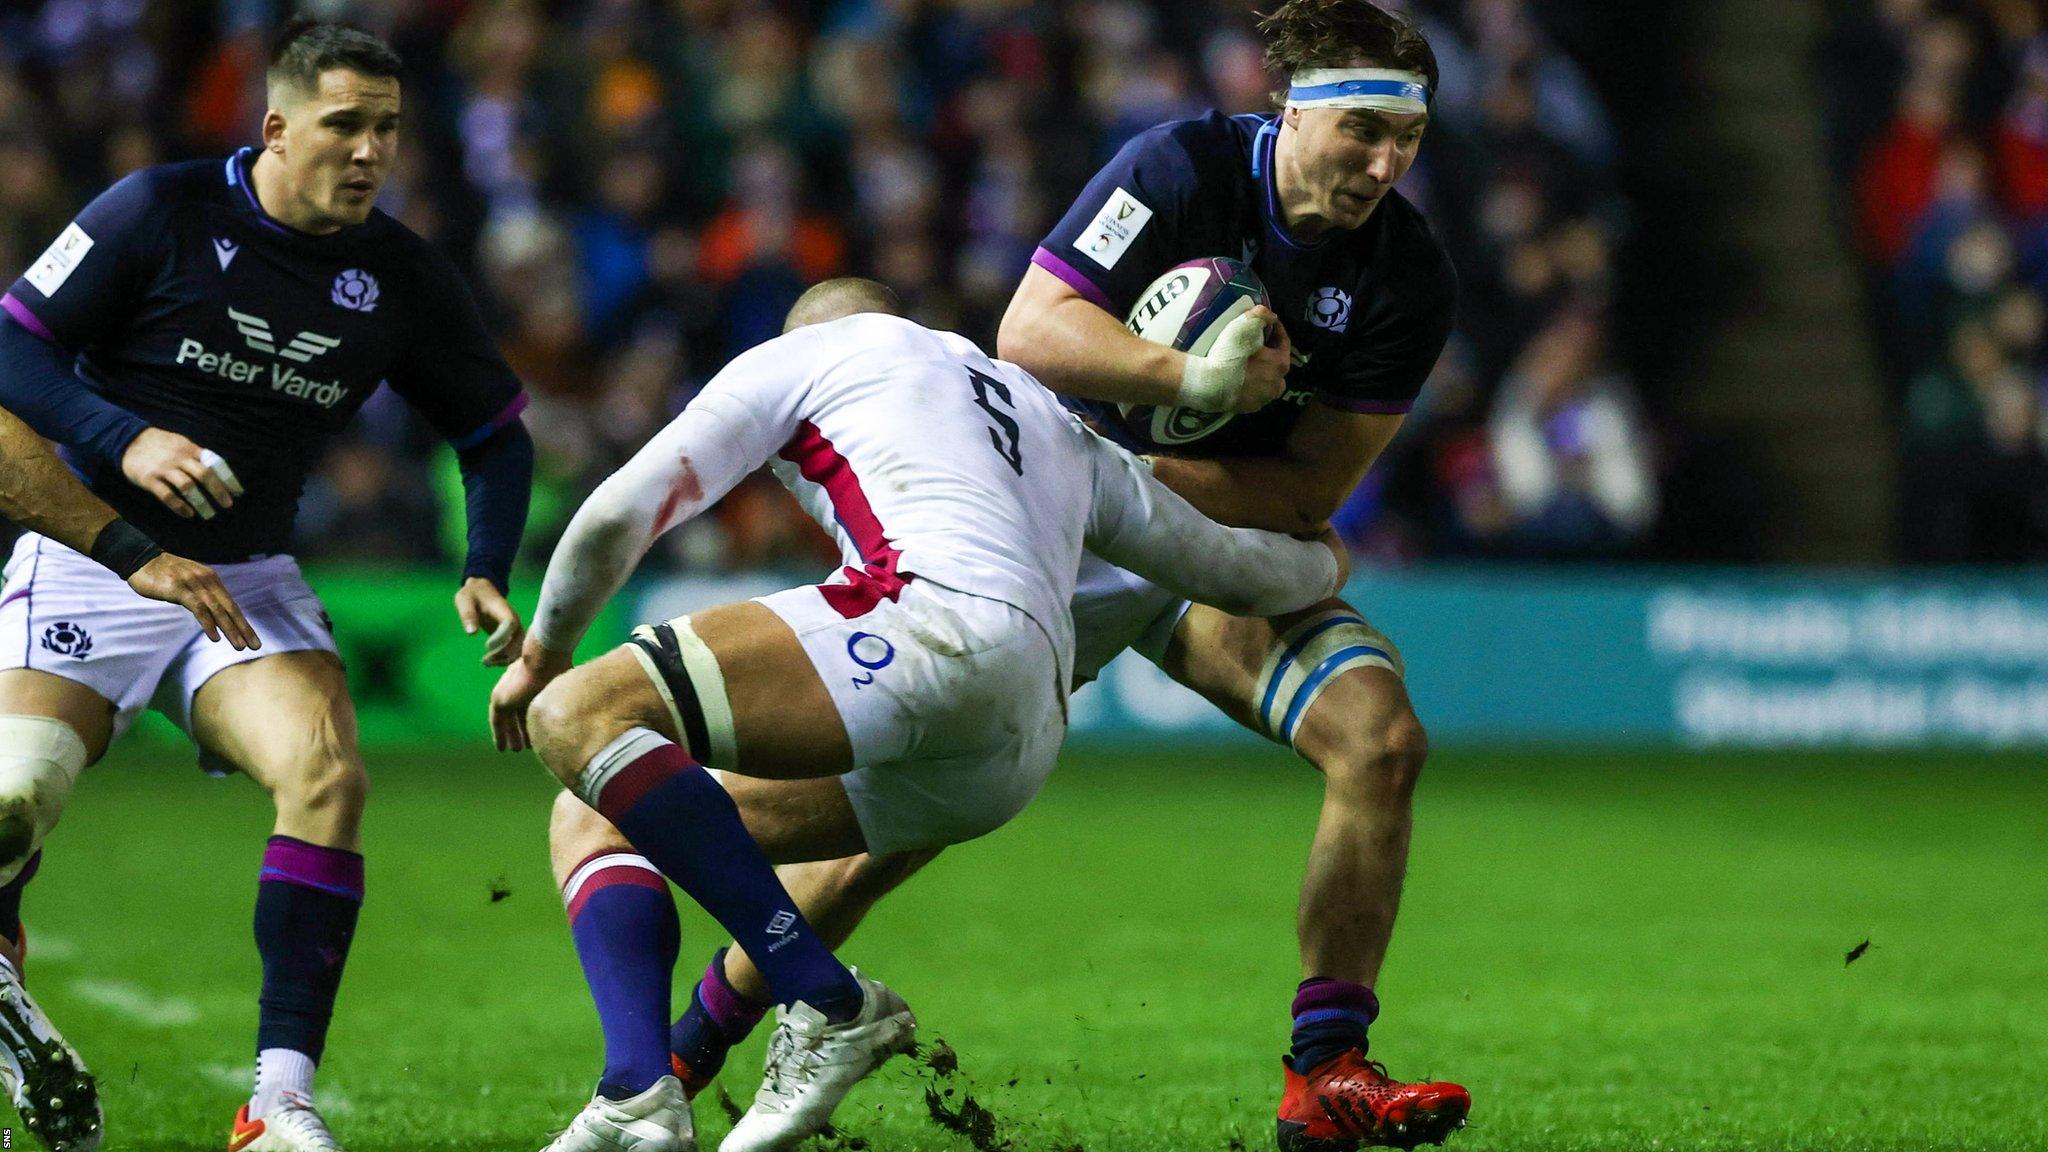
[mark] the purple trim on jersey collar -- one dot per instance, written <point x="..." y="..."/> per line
<point x="506" y="416"/>
<point x="1263" y="148"/>
<point x="1367" y="407"/>
<point x="26" y="318"/>
<point x="238" y="177"/>
<point x="1079" y="283"/>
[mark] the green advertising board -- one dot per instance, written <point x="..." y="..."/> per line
<point x="1494" y="654"/>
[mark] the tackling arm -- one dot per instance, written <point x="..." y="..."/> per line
<point x="1139" y="524"/>
<point x="686" y="468"/>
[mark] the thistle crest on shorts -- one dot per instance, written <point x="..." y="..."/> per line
<point x="356" y="290"/>
<point x="67" y="639"/>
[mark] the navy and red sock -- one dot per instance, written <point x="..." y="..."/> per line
<point x="676" y="814"/>
<point x="1330" y="1018"/>
<point x="716" y="1019"/>
<point x="627" y="938"/>
<point x="307" y="901"/>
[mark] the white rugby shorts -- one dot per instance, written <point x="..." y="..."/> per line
<point x="1115" y="610"/>
<point x="952" y="703"/>
<point x="63" y="613"/>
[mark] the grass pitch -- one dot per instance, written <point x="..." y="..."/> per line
<point x="1612" y="950"/>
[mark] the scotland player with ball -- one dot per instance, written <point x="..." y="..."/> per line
<point x="193" y="340"/>
<point x="1271" y="422"/>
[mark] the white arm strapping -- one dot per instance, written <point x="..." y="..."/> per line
<point x="1213" y="383"/>
<point x="1139" y="524"/>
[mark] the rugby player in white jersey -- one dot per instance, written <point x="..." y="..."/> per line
<point x="917" y="699"/>
<point x="1363" y="297"/>
<point x="193" y="340"/>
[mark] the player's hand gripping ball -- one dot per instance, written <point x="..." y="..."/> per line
<point x="1196" y="307"/>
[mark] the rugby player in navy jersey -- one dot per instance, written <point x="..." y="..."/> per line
<point x="1363" y="297"/>
<point x="193" y="340"/>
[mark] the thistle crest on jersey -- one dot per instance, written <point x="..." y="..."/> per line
<point x="1329" y="308"/>
<point x="1186" y="308"/>
<point x="356" y="290"/>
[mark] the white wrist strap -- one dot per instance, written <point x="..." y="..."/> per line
<point x="1212" y="383"/>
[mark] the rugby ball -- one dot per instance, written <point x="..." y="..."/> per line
<point x="1187" y="307"/>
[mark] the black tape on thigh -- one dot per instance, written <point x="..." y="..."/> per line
<point x="668" y="658"/>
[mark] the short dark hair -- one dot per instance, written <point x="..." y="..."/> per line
<point x="837" y="299"/>
<point x="1337" y="33"/>
<point x="305" y="48"/>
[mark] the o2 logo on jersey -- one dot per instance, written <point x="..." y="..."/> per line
<point x="1329" y="308"/>
<point x="68" y="639"/>
<point x="871" y="652"/>
<point x="356" y="290"/>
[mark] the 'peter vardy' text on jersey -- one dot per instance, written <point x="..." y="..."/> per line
<point x="1368" y="310"/>
<point x="192" y="308"/>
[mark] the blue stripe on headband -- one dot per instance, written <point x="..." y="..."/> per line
<point x="1401" y="89"/>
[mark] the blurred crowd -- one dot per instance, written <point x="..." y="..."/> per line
<point x="1938" y="118"/>
<point x="639" y="188"/>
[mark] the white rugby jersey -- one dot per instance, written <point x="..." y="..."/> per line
<point x="926" y="460"/>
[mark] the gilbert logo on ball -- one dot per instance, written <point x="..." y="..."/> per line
<point x="356" y="290"/>
<point x="1187" y="307"/>
<point x="1175" y="286"/>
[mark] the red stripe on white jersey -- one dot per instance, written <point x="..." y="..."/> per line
<point x="821" y="464"/>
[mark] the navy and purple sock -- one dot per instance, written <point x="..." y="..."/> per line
<point x="10" y="899"/>
<point x="1330" y="1018"/>
<point x="717" y="1018"/>
<point x="307" y="899"/>
<point x="672" y="810"/>
<point x="627" y="937"/>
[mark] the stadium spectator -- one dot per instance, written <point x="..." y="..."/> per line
<point x="1569" y="448"/>
<point x="1950" y="208"/>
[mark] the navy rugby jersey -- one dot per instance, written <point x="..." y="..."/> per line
<point x="192" y="310"/>
<point x="1368" y="310"/>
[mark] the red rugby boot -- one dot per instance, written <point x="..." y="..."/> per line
<point x="1349" y="1101"/>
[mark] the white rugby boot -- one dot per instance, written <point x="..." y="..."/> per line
<point x="813" y="1064"/>
<point x="657" y="1120"/>
<point x="295" y="1127"/>
<point x="56" y="1097"/>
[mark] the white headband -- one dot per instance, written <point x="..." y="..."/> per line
<point x="1381" y="89"/>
